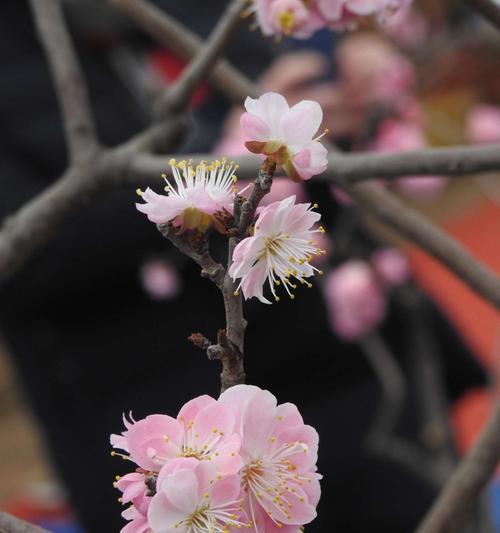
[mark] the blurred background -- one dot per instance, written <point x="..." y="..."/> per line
<point x="95" y="324"/>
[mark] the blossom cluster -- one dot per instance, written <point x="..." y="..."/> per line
<point x="220" y="465"/>
<point x="301" y="18"/>
<point x="280" y="249"/>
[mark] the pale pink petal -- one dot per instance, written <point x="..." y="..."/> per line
<point x="181" y="489"/>
<point x="331" y="9"/>
<point x="179" y="463"/>
<point x="269" y="107"/>
<point x="287" y="416"/>
<point x="147" y="440"/>
<point x="190" y="409"/>
<point x="227" y="458"/>
<point x="311" y="160"/>
<point x="225" y="490"/>
<point x="254" y="127"/>
<point x="301" y="123"/>
<point x="252" y="284"/>
<point x="119" y="441"/>
<point x="160" y="208"/>
<point x="213" y="420"/>
<point x="163" y="515"/>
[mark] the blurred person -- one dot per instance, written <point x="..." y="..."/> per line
<point x="89" y="343"/>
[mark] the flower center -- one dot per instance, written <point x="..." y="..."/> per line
<point x="286" y="21"/>
<point x="273" y="482"/>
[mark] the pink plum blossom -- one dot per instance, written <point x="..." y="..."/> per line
<point x="193" y="498"/>
<point x="288" y="17"/>
<point x="399" y="136"/>
<point x="391" y="266"/>
<point x="372" y="71"/>
<point x="355" y="300"/>
<point x="200" y="193"/>
<point x="344" y="14"/>
<point x="279" y="251"/>
<point x="483" y="124"/>
<point x="285" y="134"/>
<point x="203" y="429"/>
<point x="407" y="27"/>
<point x="138" y="520"/>
<point x="280" y="453"/>
<point x="160" y="279"/>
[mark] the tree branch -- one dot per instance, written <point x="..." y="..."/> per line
<point x="186" y="44"/>
<point x="387" y="208"/>
<point x="458" y="161"/>
<point x="180" y="93"/>
<point x="450" y="511"/>
<point x="10" y="524"/>
<point x="70" y="85"/>
<point x="381" y="439"/>
<point x="489" y="9"/>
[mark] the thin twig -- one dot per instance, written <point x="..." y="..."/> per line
<point x="186" y="44"/>
<point x="381" y="438"/>
<point x="197" y="70"/>
<point x="426" y="374"/>
<point x="489" y="9"/>
<point x="449" y="513"/>
<point x="70" y="84"/>
<point x="418" y="229"/>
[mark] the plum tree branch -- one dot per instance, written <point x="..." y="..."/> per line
<point x="71" y="89"/>
<point x="357" y="167"/>
<point x="180" y="93"/>
<point x="10" y="524"/>
<point x="186" y="44"/>
<point x="489" y="9"/>
<point x="450" y="511"/>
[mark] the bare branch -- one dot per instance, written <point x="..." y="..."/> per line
<point x="450" y="511"/>
<point x="70" y="86"/>
<point x="489" y="9"/>
<point x="180" y="93"/>
<point x="427" y="375"/>
<point x="39" y="219"/>
<point x="209" y="267"/>
<point x="10" y="524"/>
<point x="387" y="208"/>
<point x="183" y="42"/>
<point x="457" y="161"/>
<point x="381" y="438"/>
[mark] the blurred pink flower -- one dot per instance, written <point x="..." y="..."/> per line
<point x="288" y="17"/>
<point x="160" y="279"/>
<point x="283" y="188"/>
<point x="343" y="14"/>
<point x="280" y="452"/>
<point x="285" y="134"/>
<point x="483" y="124"/>
<point x="372" y="71"/>
<point x="407" y="26"/>
<point x="391" y="266"/>
<point x="192" y="497"/>
<point x="340" y="196"/>
<point x="399" y="136"/>
<point x="355" y="300"/>
<point x="203" y="429"/>
<point x="199" y="194"/>
<point x="279" y="250"/>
